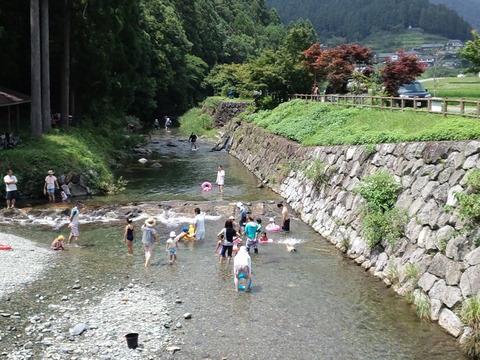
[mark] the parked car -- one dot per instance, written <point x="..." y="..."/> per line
<point x="414" y="89"/>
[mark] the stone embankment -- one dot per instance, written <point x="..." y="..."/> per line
<point x="227" y="110"/>
<point x="436" y="242"/>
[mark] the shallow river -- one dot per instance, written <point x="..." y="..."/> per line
<point x="312" y="304"/>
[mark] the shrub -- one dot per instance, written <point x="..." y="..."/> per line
<point x="378" y="226"/>
<point x="423" y="307"/>
<point x="318" y="173"/>
<point x="379" y="191"/>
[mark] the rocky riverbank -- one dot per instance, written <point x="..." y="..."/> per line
<point x="75" y="329"/>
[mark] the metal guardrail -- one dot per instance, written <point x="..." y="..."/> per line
<point x="444" y="106"/>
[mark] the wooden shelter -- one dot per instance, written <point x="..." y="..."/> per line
<point x="9" y="99"/>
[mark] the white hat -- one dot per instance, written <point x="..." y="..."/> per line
<point x="271" y="220"/>
<point x="50" y="172"/>
<point x="239" y="204"/>
<point x="231" y="218"/>
<point x="172" y="234"/>
<point x="150" y="222"/>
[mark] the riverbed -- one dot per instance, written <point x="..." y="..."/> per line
<point x="309" y="304"/>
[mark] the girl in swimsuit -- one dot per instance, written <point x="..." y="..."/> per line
<point x="129" y="236"/>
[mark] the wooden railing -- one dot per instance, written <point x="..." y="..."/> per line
<point x="444" y="106"/>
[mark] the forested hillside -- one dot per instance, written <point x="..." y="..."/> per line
<point x="354" y="20"/>
<point x="136" y="56"/>
<point x="468" y="9"/>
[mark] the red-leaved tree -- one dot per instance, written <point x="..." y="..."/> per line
<point x="336" y="65"/>
<point x="401" y="71"/>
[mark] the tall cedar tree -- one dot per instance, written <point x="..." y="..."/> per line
<point x="399" y="72"/>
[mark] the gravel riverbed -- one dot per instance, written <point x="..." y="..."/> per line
<point x="22" y="264"/>
<point x="89" y="321"/>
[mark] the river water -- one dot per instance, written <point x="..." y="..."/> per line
<point x="310" y="304"/>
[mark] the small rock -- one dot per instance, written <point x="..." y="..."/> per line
<point x="178" y="301"/>
<point x="76" y="287"/>
<point x="187" y="316"/>
<point x="178" y="325"/>
<point x="28" y="345"/>
<point x="78" y="329"/>
<point x="5" y="314"/>
<point x="173" y="349"/>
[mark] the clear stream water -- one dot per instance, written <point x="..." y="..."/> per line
<point x="312" y="304"/>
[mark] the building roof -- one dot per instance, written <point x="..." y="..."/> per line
<point x="10" y="97"/>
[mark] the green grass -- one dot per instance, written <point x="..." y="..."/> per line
<point x="455" y="88"/>
<point x="326" y="124"/>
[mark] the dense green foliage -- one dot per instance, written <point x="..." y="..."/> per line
<point x="471" y="52"/>
<point x="140" y="57"/>
<point x="381" y="220"/>
<point x="354" y="20"/>
<point x="198" y="122"/>
<point x="82" y="150"/>
<point x="325" y="124"/>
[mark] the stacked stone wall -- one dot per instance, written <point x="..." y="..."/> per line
<point x="429" y="173"/>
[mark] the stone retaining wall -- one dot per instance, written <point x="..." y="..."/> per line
<point x="429" y="173"/>
<point x="227" y="110"/>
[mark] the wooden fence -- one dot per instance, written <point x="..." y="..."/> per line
<point x="444" y="106"/>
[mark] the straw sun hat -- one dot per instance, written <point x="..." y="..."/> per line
<point x="150" y="222"/>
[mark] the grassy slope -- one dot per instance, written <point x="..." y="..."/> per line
<point x="325" y="124"/>
<point x="80" y="150"/>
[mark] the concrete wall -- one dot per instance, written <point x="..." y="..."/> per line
<point x="429" y="173"/>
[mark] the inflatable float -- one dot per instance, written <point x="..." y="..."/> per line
<point x="206" y="186"/>
<point x="242" y="287"/>
<point x="265" y="241"/>
<point x="5" y="247"/>
<point x="272" y="226"/>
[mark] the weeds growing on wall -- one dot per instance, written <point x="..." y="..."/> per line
<point x="381" y="220"/>
<point x="469" y="202"/>
<point x="423" y="307"/>
<point x="470" y="315"/>
<point x="318" y="173"/>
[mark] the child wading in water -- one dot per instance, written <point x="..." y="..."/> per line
<point x="129" y="236"/>
<point x="172" y="247"/>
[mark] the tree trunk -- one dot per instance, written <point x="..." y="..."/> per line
<point x="65" y="76"/>
<point x="35" y="70"/>
<point x="46" y="110"/>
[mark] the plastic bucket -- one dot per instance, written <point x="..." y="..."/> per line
<point x="132" y="340"/>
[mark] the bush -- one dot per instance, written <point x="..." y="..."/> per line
<point x="470" y="315"/>
<point x="198" y="122"/>
<point x="379" y="191"/>
<point x="387" y="225"/>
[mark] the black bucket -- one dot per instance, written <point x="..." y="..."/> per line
<point x="132" y="340"/>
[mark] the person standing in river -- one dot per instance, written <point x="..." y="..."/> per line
<point x="74" y="217"/>
<point x="228" y="234"/>
<point x="129" y="236"/>
<point x="11" y="183"/>
<point x="199" y="224"/>
<point x="251" y="229"/>
<point x="49" y="188"/>
<point x="220" y="178"/>
<point x="149" y="238"/>
<point x="192" y="140"/>
<point x="285" y="225"/>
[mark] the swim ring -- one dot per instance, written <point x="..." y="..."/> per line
<point x="5" y="247"/>
<point x="265" y="241"/>
<point x="242" y="287"/>
<point x="206" y="186"/>
<point x="272" y="227"/>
